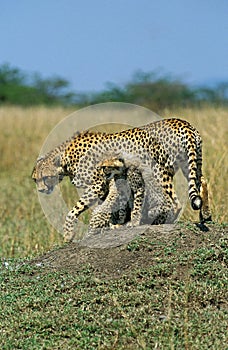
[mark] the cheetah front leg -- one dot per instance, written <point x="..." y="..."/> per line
<point x="136" y="214"/>
<point x="71" y="219"/>
<point x="136" y="182"/>
<point x="89" y="197"/>
<point x="101" y="215"/>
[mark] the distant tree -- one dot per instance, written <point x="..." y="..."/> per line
<point x="160" y="93"/>
<point x="53" y="90"/>
<point x="217" y="95"/>
<point x="13" y="87"/>
<point x="222" y="92"/>
<point x="113" y="93"/>
<point x="150" y="89"/>
<point x="10" y="75"/>
<point x="18" y="88"/>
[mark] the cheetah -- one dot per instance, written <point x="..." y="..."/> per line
<point x="165" y="146"/>
<point x="125" y="195"/>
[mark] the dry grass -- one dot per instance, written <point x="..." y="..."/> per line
<point x="23" y="227"/>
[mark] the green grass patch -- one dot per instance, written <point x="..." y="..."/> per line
<point x="179" y="301"/>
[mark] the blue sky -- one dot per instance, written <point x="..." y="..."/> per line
<point x="91" y="43"/>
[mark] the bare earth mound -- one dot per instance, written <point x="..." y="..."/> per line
<point x="116" y="252"/>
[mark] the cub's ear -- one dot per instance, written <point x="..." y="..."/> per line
<point x="57" y="161"/>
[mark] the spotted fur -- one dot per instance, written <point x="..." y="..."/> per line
<point x="164" y="146"/>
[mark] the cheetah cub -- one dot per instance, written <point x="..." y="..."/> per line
<point x="125" y="196"/>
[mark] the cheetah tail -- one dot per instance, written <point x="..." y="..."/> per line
<point x="194" y="178"/>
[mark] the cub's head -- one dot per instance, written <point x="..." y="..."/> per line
<point x="47" y="173"/>
<point x="112" y="167"/>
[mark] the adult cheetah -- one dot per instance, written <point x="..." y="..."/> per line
<point x="164" y="145"/>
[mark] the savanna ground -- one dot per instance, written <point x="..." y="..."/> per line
<point x="165" y="289"/>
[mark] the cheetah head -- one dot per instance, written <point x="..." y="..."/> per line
<point x="47" y="173"/>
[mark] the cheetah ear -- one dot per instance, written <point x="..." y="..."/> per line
<point x="57" y="161"/>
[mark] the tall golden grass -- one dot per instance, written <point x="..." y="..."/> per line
<point x="23" y="227"/>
